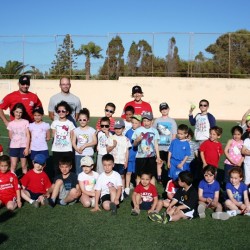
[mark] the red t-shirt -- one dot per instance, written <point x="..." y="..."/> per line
<point x="29" y="100"/>
<point x="147" y="195"/>
<point x="1" y="148"/>
<point x="139" y="108"/>
<point x="36" y="183"/>
<point x="111" y="126"/>
<point x="212" y="152"/>
<point x="8" y="185"/>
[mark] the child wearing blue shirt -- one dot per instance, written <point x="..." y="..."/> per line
<point x="179" y="151"/>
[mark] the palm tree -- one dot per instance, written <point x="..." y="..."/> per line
<point x="89" y="50"/>
<point x="12" y="70"/>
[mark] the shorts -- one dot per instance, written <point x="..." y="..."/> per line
<point x="43" y="152"/>
<point x="17" y="152"/>
<point x="145" y="205"/>
<point x="8" y="198"/>
<point x="63" y="193"/>
<point x="164" y="155"/>
<point x="105" y="197"/>
<point x="146" y="165"/>
<point x="34" y="196"/>
<point x="131" y="167"/>
<point x="119" y="168"/>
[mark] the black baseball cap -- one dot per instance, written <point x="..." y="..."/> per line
<point x="24" y="80"/>
<point x="136" y="89"/>
<point x="163" y="105"/>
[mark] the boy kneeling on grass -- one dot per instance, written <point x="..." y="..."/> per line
<point x="65" y="188"/>
<point x="108" y="187"/>
<point x="36" y="183"/>
<point x="145" y="195"/>
<point x="184" y="203"/>
<point x="9" y="189"/>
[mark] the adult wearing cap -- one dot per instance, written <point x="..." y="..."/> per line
<point x="66" y="96"/>
<point x="139" y="105"/>
<point x="24" y="96"/>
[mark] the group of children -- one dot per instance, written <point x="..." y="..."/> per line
<point x="132" y="150"/>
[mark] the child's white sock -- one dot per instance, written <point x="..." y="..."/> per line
<point x="31" y="201"/>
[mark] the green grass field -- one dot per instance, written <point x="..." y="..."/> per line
<point x="75" y="227"/>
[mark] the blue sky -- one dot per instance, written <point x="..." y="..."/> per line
<point x="103" y="18"/>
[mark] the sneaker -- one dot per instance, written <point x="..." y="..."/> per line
<point x="122" y="196"/>
<point x="165" y="218"/>
<point x="113" y="208"/>
<point x="232" y="213"/>
<point x="220" y="216"/>
<point x="127" y="191"/>
<point x="51" y="203"/>
<point x="35" y="204"/>
<point x="45" y="201"/>
<point x="155" y="217"/>
<point x="135" y="212"/>
<point x="247" y="214"/>
<point x="201" y="211"/>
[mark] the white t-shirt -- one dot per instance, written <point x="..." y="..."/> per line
<point x="104" y="182"/>
<point x="119" y="152"/>
<point x="247" y="145"/>
<point x="89" y="180"/>
<point x="102" y="142"/>
<point x="62" y="140"/>
<point x="84" y="136"/>
<point x="202" y="127"/>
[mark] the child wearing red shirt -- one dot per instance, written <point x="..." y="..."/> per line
<point x="211" y="149"/>
<point x="9" y="188"/>
<point x="36" y="183"/>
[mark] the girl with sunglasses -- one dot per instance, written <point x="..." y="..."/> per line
<point x="84" y="139"/>
<point x="62" y="131"/>
<point x="203" y="121"/>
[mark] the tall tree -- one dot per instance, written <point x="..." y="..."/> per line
<point x="64" y="62"/>
<point x="231" y="53"/>
<point x="146" y="58"/>
<point x="12" y="70"/>
<point x="133" y="58"/>
<point x="89" y="50"/>
<point x="172" y="57"/>
<point x="115" y="53"/>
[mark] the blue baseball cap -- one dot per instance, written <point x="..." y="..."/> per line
<point x="40" y="159"/>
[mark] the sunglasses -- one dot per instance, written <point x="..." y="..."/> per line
<point x="104" y="126"/>
<point x="82" y="120"/>
<point x="203" y="105"/>
<point x="25" y="84"/>
<point x="110" y="111"/>
<point x="61" y="111"/>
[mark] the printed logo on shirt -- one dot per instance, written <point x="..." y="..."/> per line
<point x="31" y="103"/>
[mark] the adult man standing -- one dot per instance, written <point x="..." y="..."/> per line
<point x="66" y="96"/>
<point x="24" y="96"/>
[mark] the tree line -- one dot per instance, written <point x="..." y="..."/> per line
<point x="229" y="57"/>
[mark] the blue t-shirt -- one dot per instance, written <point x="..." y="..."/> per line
<point x="146" y="148"/>
<point x="238" y="194"/>
<point x="70" y="182"/>
<point x="179" y="149"/>
<point x="209" y="189"/>
<point x="133" y="149"/>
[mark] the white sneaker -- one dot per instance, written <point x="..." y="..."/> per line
<point x="122" y="196"/>
<point x="127" y="190"/>
<point x="201" y="211"/>
<point x="232" y="213"/>
<point x="247" y="214"/>
<point x="220" y="216"/>
<point x="92" y="201"/>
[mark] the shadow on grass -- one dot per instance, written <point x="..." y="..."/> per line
<point x="6" y="216"/>
<point x="3" y="238"/>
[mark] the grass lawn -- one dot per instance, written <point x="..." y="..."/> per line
<point x="74" y="227"/>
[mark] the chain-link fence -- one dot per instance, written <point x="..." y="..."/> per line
<point x="155" y="54"/>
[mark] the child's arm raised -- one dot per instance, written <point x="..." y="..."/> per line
<point x="244" y="117"/>
<point x="111" y="147"/>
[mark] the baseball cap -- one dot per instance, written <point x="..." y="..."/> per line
<point x="38" y="110"/>
<point x="136" y="89"/>
<point x="163" y="105"/>
<point x="87" y="161"/>
<point x="40" y="159"/>
<point x="137" y="117"/>
<point x="148" y="115"/>
<point x="119" y="123"/>
<point x="24" y="80"/>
